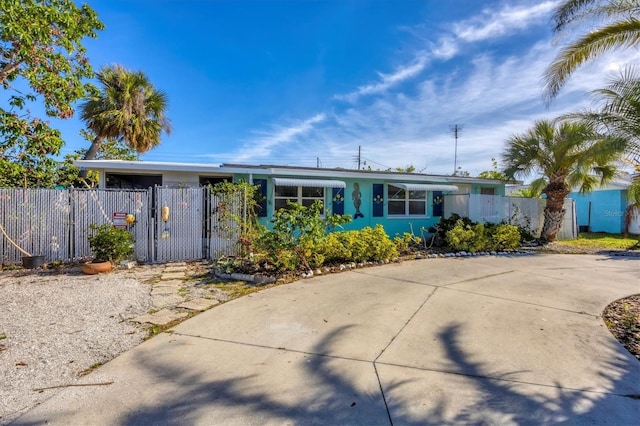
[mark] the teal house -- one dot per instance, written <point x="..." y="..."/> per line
<point x="401" y="202"/>
<point x="603" y="210"/>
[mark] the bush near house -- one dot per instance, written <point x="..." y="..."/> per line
<point x="461" y="234"/>
<point x="302" y="238"/>
<point x="297" y="236"/>
<point x="364" y="245"/>
<point x="110" y="244"/>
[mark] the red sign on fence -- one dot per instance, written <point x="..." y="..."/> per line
<point x="119" y="220"/>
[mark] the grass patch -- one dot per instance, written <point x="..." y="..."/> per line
<point x="93" y="367"/>
<point x="603" y="240"/>
<point x="237" y="289"/>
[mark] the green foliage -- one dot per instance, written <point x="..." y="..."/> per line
<point x="494" y="174"/>
<point x="525" y="193"/>
<point x="466" y="237"/>
<point x="41" y="48"/>
<point x="366" y="244"/>
<point x="606" y="26"/>
<point x="242" y="226"/>
<point x="25" y="146"/>
<point x="109" y="243"/>
<point x="128" y="107"/>
<point x="505" y="237"/>
<point x="445" y="225"/>
<point x="300" y="230"/>
<point x="566" y="155"/>
<point x="406" y="241"/>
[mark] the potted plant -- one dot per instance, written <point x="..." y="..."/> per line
<point x="110" y="245"/>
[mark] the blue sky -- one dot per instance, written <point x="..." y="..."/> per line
<point x="308" y="82"/>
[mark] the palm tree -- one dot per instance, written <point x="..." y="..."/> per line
<point x="127" y="108"/>
<point x="614" y="25"/>
<point x="567" y="155"/>
<point x="619" y="112"/>
<point x="619" y="115"/>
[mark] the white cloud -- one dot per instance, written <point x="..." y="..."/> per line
<point x="264" y="144"/>
<point x="446" y="48"/>
<point x="492" y="24"/>
<point x="386" y="81"/>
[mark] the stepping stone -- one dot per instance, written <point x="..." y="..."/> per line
<point x="172" y="264"/>
<point x="163" y="291"/>
<point x="163" y="301"/>
<point x="173" y="276"/>
<point x="171" y="283"/>
<point x="199" y="304"/>
<point x="162" y="317"/>
<point x="174" y="269"/>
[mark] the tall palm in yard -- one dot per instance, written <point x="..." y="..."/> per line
<point x="619" y="112"/>
<point x="619" y="115"/>
<point x="608" y="25"/>
<point x="127" y="108"/>
<point x="567" y="155"/>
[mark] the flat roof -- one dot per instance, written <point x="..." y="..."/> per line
<point x="274" y="170"/>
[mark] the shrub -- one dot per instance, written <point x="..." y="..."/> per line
<point x="379" y="246"/>
<point x="298" y="230"/>
<point x="366" y="244"/>
<point x="467" y="237"/>
<point x="406" y="241"/>
<point x="505" y="237"/>
<point x="110" y="244"/>
<point x="445" y="225"/>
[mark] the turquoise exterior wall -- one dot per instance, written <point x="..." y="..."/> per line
<point x="607" y="210"/>
<point x="392" y="224"/>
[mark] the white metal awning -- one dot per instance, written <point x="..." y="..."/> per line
<point x="314" y="183"/>
<point x="426" y="186"/>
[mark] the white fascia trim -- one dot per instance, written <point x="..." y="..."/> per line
<point x="425" y="187"/>
<point x="322" y="183"/>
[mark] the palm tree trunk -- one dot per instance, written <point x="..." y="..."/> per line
<point x="553" y="211"/>
<point x="91" y="153"/>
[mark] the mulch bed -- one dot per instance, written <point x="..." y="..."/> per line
<point x="623" y="319"/>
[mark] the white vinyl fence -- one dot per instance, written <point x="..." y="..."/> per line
<point x="527" y="212"/>
<point x="55" y="223"/>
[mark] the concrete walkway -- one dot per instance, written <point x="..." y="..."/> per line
<point x="505" y="340"/>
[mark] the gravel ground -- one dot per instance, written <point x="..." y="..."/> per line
<point x="56" y="325"/>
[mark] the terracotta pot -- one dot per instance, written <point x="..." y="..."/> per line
<point x="91" y="268"/>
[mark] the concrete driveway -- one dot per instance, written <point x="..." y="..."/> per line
<point x="505" y="340"/>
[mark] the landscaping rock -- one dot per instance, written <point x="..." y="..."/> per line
<point x="263" y="279"/>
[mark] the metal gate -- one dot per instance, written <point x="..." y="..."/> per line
<point x="179" y="224"/>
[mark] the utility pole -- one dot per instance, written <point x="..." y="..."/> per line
<point x="456" y="130"/>
<point x="359" y="157"/>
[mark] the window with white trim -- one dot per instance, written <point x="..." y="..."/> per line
<point x="305" y="195"/>
<point x="405" y="202"/>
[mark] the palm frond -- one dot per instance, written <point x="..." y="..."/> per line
<point x="619" y="34"/>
